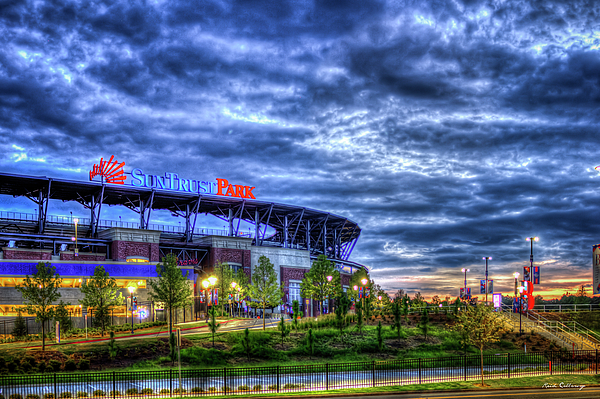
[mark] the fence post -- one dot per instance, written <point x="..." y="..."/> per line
<point x="171" y="381"/>
<point x="509" y="365"/>
<point x="277" y="378"/>
<point x="327" y="376"/>
<point x="114" y="390"/>
<point x="373" y="370"/>
<point x="465" y="365"/>
<point x="596" y="361"/>
<point x="56" y="390"/>
<point x="419" y="370"/>
<point x="551" y="361"/>
<point x="225" y="380"/>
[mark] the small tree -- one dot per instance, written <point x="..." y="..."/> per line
<point x="172" y="347"/>
<point x="113" y="348"/>
<point x="61" y="315"/>
<point x="20" y="328"/>
<point x="379" y="337"/>
<point x="101" y="293"/>
<point x="405" y="307"/>
<point x="246" y="343"/>
<point x="341" y="310"/>
<point x="285" y="330"/>
<point x="480" y="326"/>
<point x="359" y="316"/>
<point x="38" y="294"/>
<point x="310" y="339"/>
<point x="296" y="312"/>
<point x="172" y="287"/>
<point x="224" y="276"/>
<point x="265" y="289"/>
<point x="368" y="308"/>
<point x="397" y="314"/>
<point x="424" y="322"/>
<point x="213" y="326"/>
<point x="436" y="302"/>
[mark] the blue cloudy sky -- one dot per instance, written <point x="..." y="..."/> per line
<point x="448" y="130"/>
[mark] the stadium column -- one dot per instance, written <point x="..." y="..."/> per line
<point x="256" y="226"/>
<point x="308" y="236"/>
<point x="285" y="231"/>
<point x="188" y="233"/>
<point x="230" y="219"/>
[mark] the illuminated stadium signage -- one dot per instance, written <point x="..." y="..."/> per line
<point x="112" y="172"/>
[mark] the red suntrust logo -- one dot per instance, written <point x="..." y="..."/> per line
<point x="110" y="170"/>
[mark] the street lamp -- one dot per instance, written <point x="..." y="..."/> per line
<point x="208" y="284"/>
<point x="76" y="249"/>
<point x="329" y="278"/>
<point x="364" y="282"/>
<point x="516" y="276"/>
<point x="465" y="271"/>
<point x="131" y="289"/>
<point x="486" y="277"/>
<point x="233" y="285"/>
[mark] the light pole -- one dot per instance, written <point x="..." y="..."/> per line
<point x="521" y="288"/>
<point x="76" y="252"/>
<point x="364" y="282"/>
<point x="486" y="277"/>
<point x="208" y="284"/>
<point x="131" y="289"/>
<point x="516" y="276"/>
<point x="233" y="285"/>
<point x="465" y="271"/>
<point x="329" y="278"/>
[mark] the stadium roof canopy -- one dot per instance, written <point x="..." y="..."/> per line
<point x="295" y="227"/>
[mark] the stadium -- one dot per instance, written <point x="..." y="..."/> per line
<point x="290" y="236"/>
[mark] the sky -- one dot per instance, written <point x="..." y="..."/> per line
<point x="448" y="130"/>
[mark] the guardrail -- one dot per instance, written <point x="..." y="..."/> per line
<point x="298" y="378"/>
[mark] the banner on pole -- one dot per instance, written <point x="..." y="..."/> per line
<point x="462" y="293"/>
<point x="469" y="293"/>
<point x="497" y="300"/>
<point x="482" y="286"/>
<point x="596" y="268"/>
<point x="527" y="273"/>
<point x="536" y="275"/>
<point x="490" y="286"/>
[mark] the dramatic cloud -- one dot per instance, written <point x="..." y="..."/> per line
<point x="447" y="130"/>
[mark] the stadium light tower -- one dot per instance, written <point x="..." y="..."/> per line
<point x="531" y="240"/>
<point x="465" y="270"/>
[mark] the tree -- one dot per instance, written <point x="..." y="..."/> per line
<point x="61" y="315"/>
<point x="436" y="302"/>
<point x="424" y="322"/>
<point x="20" y="328"/>
<point x="213" y="326"/>
<point x="315" y="284"/>
<point x="405" y="307"/>
<point x="246" y="343"/>
<point x="265" y="289"/>
<point x="480" y="326"/>
<point x="310" y="339"/>
<point x="241" y="279"/>
<point x="341" y="310"/>
<point x="113" y="348"/>
<point x="172" y="287"/>
<point x="225" y="276"/>
<point x="284" y="330"/>
<point x="379" y="336"/>
<point x="296" y="313"/>
<point x="38" y="294"/>
<point x="101" y="293"/>
<point x="397" y="313"/>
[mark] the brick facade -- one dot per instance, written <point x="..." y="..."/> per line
<point x="83" y="256"/>
<point x="120" y="250"/>
<point x="27" y="254"/>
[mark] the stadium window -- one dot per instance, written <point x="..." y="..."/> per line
<point x="295" y="291"/>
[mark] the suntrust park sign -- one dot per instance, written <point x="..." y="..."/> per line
<point x="112" y="172"/>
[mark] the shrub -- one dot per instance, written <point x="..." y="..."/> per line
<point x="27" y="364"/>
<point x="83" y="364"/>
<point x="99" y="392"/>
<point x="196" y="390"/>
<point x="212" y="389"/>
<point x="70" y="365"/>
<point x="32" y="396"/>
<point x="65" y="395"/>
<point x="165" y="390"/>
<point x="115" y="393"/>
<point x="257" y="388"/>
<point x="12" y="366"/>
<point x="131" y="391"/>
<point x="15" y="396"/>
<point x="82" y="394"/>
<point x="48" y="396"/>
<point x="54" y="365"/>
<point x="243" y="388"/>
<point x="147" y="391"/>
<point x="272" y="387"/>
<point x="225" y="389"/>
<point x="179" y="390"/>
<point x="41" y="366"/>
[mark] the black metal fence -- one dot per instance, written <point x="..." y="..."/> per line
<point x="316" y="377"/>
